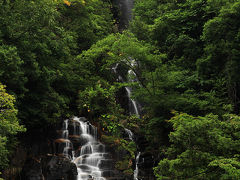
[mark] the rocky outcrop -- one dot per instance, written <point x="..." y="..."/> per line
<point x="49" y="168"/>
<point x="32" y="170"/>
<point x="122" y="161"/>
<point x="56" y="167"/>
<point x="146" y="160"/>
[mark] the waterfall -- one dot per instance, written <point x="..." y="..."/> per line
<point x="135" y="176"/>
<point x="126" y="12"/>
<point x="126" y="9"/>
<point x="65" y="130"/>
<point x="90" y="156"/>
<point x="131" y="137"/>
<point x="133" y="105"/>
<point x="133" y="109"/>
<point x="130" y="134"/>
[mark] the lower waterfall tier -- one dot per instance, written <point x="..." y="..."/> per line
<point x="91" y="157"/>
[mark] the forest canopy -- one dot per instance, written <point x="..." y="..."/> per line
<point x="57" y="59"/>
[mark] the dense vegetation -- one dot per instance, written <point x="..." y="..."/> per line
<point x="39" y="44"/>
<point x="56" y="58"/>
<point x="9" y="126"/>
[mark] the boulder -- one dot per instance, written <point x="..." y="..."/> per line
<point x="49" y="167"/>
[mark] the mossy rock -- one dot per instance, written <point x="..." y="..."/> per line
<point x="123" y="122"/>
<point x="108" y="139"/>
<point x="123" y="165"/>
<point x="128" y="172"/>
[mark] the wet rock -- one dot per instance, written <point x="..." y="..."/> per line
<point x="49" y="168"/>
<point x="32" y="170"/>
<point x="57" y="167"/>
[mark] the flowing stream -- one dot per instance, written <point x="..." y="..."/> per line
<point x="133" y="107"/>
<point x="90" y="156"/>
<point x="131" y="137"/>
<point x="135" y="176"/>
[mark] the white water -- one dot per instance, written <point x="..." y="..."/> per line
<point x="126" y="12"/>
<point x="91" y="154"/>
<point x="130" y="134"/>
<point x="133" y="106"/>
<point x="135" y="176"/>
<point x="133" y="109"/>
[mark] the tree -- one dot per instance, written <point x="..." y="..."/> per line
<point x="9" y="126"/>
<point x="11" y="70"/>
<point x="39" y="42"/>
<point x="202" y="148"/>
<point x="221" y="58"/>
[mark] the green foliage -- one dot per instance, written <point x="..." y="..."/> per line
<point x="182" y="77"/>
<point x="221" y="50"/>
<point x="39" y="41"/>
<point x="130" y="147"/>
<point x="122" y="165"/>
<point x="125" y="166"/>
<point x="99" y="100"/>
<point x="90" y="21"/>
<point x="111" y="124"/>
<point x="230" y="167"/>
<point x="202" y="148"/>
<point x="57" y="57"/>
<point x="11" y="70"/>
<point x="9" y="125"/>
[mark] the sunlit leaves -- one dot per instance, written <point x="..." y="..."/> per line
<point x="9" y="124"/>
<point x="67" y="2"/>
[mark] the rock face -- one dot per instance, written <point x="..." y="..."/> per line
<point x="49" y="168"/>
<point x="146" y="161"/>
<point x="44" y="158"/>
<point x="32" y="170"/>
<point x="60" y="168"/>
<point x="40" y="160"/>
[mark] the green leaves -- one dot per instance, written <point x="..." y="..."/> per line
<point x="230" y="167"/>
<point x="199" y="146"/>
<point x="11" y="70"/>
<point x="221" y="50"/>
<point x="39" y="42"/>
<point x="9" y="125"/>
<point x="99" y="99"/>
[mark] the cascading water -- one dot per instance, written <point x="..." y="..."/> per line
<point x="67" y="142"/>
<point x="131" y="137"/>
<point x="130" y="134"/>
<point x="135" y="176"/>
<point x="90" y="157"/>
<point x="134" y="109"/>
<point x="125" y="7"/>
<point x="126" y="10"/>
<point x="133" y="106"/>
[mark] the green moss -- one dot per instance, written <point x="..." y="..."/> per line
<point x="128" y="172"/>
<point x="129" y="146"/>
<point x="123" y="165"/>
<point x="108" y="139"/>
